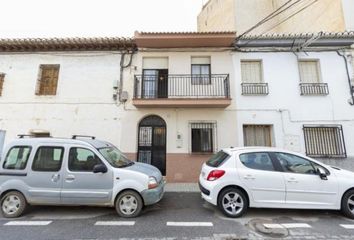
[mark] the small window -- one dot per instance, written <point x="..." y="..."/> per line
<point x="295" y="164"/>
<point x="217" y="159"/>
<point x="257" y="135"/>
<point x="17" y="158"/>
<point x="324" y="141"/>
<point x="251" y="71"/>
<point x="2" y="77"/>
<point x="202" y="137"/>
<point x="201" y="71"/>
<point x="309" y="71"/>
<point x="48" y="159"/>
<point x="258" y="161"/>
<point x="48" y="80"/>
<point x="82" y="160"/>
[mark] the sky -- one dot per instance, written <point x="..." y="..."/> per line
<point x="95" y="18"/>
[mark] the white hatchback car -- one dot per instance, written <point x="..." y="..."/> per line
<point x="237" y="178"/>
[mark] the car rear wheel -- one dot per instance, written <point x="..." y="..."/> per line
<point x="129" y="204"/>
<point x="348" y="204"/>
<point x="13" y="204"/>
<point x="233" y="202"/>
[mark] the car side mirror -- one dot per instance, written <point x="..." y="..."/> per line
<point x="100" y="168"/>
<point x="322" y="173"/>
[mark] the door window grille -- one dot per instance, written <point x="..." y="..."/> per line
<point x="202" y="137"/>
<point x="324" y="141"/>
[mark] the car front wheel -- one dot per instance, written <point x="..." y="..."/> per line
<point x="233" y="202"/>
<point x="13" y="204"/>
<point x="129" y="204"/>
<point x="348" y="204"/>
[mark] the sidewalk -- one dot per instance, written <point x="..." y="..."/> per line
<point x="182" y="187"/>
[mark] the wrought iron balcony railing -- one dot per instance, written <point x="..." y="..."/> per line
<point x="314" y="89"/>
<point x="255" y="88"/>
<point x="182" y="86"/>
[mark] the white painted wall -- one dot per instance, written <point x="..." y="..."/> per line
<point x="83" y="104"/>
<point x="285" y="109"/>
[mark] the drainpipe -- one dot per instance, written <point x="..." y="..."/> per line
<point x="351" y="100"/>
<point x="122" y="67"/>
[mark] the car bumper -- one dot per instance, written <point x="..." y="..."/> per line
<point x="152" y="196"/>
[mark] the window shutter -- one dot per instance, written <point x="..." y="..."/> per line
<point x="47" y="80"/>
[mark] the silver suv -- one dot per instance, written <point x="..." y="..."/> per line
<point x="77" y="171"/>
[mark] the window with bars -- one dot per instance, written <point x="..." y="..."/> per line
<point x="251" y="71"/>
<point x="48" y="79"/>
<point x="2" y="77"/>
<point x="257" y="135"/>
<point x="202" y="137"/>
<point x="324" y="141"/>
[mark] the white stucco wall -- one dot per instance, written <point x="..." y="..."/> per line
<point x="83" y="104"/>
<point x="286" y="109"/>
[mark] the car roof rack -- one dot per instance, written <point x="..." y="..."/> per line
<point x="83" y="136"/>
<point x="25" y="135"/>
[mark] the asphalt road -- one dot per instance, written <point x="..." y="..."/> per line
<point x="177" y="216"/>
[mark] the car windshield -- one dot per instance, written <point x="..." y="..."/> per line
<point x="115" y="157"/>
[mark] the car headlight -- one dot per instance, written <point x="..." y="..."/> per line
<point x="152" y="182"/>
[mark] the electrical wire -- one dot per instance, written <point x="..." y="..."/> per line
<point x="274" y="14"/>
<point x="281" y="22"/>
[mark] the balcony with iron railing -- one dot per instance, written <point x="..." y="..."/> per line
<point x="314" y="89"/>
<point x="254" y="89"/>
<point x="182" y="90"/>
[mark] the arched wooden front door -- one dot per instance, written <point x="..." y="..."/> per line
<point x="152" y="142"/>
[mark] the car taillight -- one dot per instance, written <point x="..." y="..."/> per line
<point x="215" y="174"/>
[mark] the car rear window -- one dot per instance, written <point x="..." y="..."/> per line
<point x="217" y="159"/>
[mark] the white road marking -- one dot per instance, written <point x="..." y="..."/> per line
<point x="28" y="223"/>
<point x="273" y="226"/>
<point x="190" y="224"/>
<point x="288" y="225"/>
<point x="296" y="225"/>
<point x="115" y="223"/>
<point x="347" y="226"/>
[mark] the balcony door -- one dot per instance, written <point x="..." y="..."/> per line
<point x="155" y="83"/>
<point x="152" y="142"/>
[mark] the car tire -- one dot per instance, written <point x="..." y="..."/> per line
<point x="13" y="204"/>
<point x="129" y="204"/>
<point x="232" y="202"/>
<point x="347" y="206"/>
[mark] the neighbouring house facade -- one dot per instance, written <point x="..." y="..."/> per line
<point x="301" y="17"/>
<point x="174" y="99"/>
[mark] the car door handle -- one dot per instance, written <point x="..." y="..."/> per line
<point x="70" y="178"/>
<point x="249" y="177"/>
<point x="292" y="180"/>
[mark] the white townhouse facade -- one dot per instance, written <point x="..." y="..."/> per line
<point x="61" y="87"/>
<point x="297" y="92"/>
<point x="174" y="99"/>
